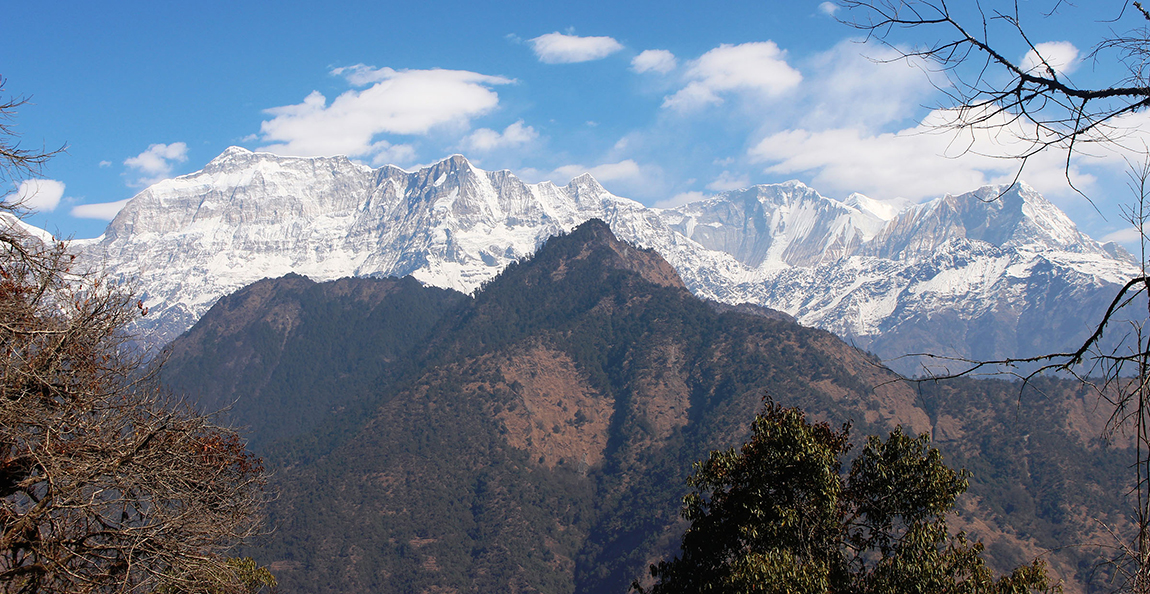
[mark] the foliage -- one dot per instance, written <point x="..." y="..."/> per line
<point x="778" y="516"/>
<point x="107" y="484"/>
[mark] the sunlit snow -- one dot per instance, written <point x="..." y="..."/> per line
<point x="853" y="267"/>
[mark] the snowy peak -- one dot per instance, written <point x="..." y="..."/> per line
<point x="855" y="267"/>
<point x="883" y="211"/>
<point x="775" y="225"/>
<point x="232" y="157"/>
<point x="1045" y="222"/>
<point x="246" y="216"/>
<point x="453" y="189"/>
<point x="1016" y="217"/>
<point x="586" y="190"/>
<point x="13" y="225"/>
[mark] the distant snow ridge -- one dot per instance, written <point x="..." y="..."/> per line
<point x="965" y="275"/>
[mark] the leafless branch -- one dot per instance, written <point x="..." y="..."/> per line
<point x="989" y="92"/>
<point x="107" y="482"/>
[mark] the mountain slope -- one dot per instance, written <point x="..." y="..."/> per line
<point x="877" y="278"/>
<point x="279" y="355"/>
<point x="538" y="435"/>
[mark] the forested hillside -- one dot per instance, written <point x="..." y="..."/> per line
<point x="536" y="436"/>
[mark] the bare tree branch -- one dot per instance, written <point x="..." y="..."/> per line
<point x="107" y="482"/>
<point x="989" y="93"/>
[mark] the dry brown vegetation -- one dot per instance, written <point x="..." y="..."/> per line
<point x="107" y="484"/>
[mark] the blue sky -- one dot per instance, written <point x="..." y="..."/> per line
<point x="663" y="103"/>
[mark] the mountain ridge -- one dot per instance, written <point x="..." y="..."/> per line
<point x="536" y="435"/>
<point x="835" y="265"/>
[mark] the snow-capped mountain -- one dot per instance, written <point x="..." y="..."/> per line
<point x="969" y="275"/>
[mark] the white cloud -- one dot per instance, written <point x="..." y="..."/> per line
<point x="757" y="68"/>
<point x="681" y="199"/>
<point x="361" y="75"/>
<point x="627" y="170"/>
<point x="385" y="153"/>
<point x="486" y="139"/>
<point x="661" y="61"/>
<point x="828" y="8"/>
<point x="623" y="178"/>
<point x="105" y="164"/>
<point x="38" y="194"/>
<point x="411" y="102"/>
<point x="914" y="163"/>
<point x="1128" y="236"/>
<point x="557" y="48"/>
<point x="861" y="85"/>
<point x="1062" y="56"/>
<point x="729" y="181"/>
<point x="103" y="210"/>
<point x="156" y="163"/>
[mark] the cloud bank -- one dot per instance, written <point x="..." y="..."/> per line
<point x="485" y="139"/>
<point x="1060" y="56"/>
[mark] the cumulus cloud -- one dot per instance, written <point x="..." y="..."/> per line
<point x="485" y="139"/>
<point x="758" y="68"/>
<point x="828" y="8"/>
<point x="661" y="61"/>
<point x="105" y="211"/>
<point x="1061" y="56"/>
<point x="913" y="163"/>
<point x="156" y="163"/>
<point x="41" y="195"/>
<point x="557" y="48"/>
<point x="410" y="102"/>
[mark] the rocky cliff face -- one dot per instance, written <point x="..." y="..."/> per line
<point x="881" y="279"/>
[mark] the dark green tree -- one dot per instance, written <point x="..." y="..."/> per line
<point x="778" y="515"/>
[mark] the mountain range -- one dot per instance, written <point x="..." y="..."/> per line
<point x="535" y="436"/>
<point x="996" y="272"/>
